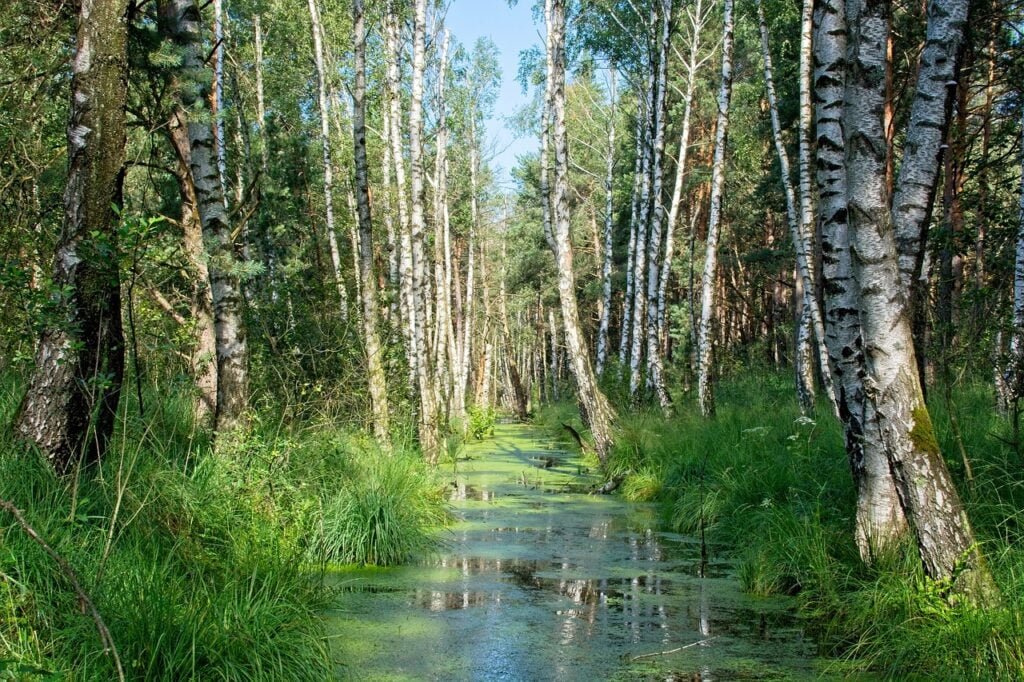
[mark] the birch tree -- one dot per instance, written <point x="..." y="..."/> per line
<point x="697" y="16"/>
<point x="705" y="387"/>
<point x="800" y="217"/>
<point x="180" y="19"/>
<point x="69" y="408"/>
<point x="429" y="429"/>
<point x="323" y="107"/>
<point x="655" y="369"/>
<point x="606" y="263"/>
<point x="367" y="279"/>
<point x="597" y="412"/>
<point x="895" y="416"/>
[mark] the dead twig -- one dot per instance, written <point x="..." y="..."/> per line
<point x="672" y="651"/>
<point x="108" y="641"/>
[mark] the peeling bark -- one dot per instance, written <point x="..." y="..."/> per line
<point x="69" y="409"/>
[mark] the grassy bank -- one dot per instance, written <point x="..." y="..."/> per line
<point x="773" y="490"/>
<point x="201" y="566"/>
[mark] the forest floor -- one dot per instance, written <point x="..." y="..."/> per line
<point x="538" y="580"/>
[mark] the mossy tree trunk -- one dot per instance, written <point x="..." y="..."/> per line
<point x="69" y="409"/>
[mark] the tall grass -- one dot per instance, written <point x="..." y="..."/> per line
<point x="201" y="565"/>
<point x="773" y="490"/>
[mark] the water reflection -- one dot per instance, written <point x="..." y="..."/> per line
<point x="534" y="585"/>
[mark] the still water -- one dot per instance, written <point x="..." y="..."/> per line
<point x="538" y="580"/>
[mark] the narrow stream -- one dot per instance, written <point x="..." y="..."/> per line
<point x="539" y="581"/>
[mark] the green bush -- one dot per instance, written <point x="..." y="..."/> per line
<point x="481" y="421"/>
<point x="387" y="511"/>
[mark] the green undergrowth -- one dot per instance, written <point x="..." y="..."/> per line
<point x="773" y="490"/>
<point x="203" y="566"/>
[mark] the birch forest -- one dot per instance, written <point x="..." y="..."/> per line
<point x="511" y="339"/>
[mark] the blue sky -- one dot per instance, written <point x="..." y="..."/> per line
<point x="512" y="30"/>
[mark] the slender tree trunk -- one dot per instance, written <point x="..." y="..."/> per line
<point x="70" y="407"/>
<point x="1014" y="374"/>
<point x="698" y="18"/>
<point x="323" y="106"/>
<point x="180" y="18"/>
<point x="368" y="290"/>
<point x="705" y="369"/>
<point x="429" y="429"/>
<point x="606" y="264"/>
<point x="639" y="333"/>
<point x="895" y="414"/>
<point x="407" y="302"/>
<point x="634" y="226"/>
<point x="914" y="198"/>
<point x="217" y="98"/>
<point x="801" y="219"/>
<point x="204" y="354"/>
<point x="655" y="365"/>
<point x="597" y="412"/>
<point x="520" y="400"/>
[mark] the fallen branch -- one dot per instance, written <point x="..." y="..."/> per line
<point x="672" y="651"/>
<point x="575" y="436"/>
<point x="108" y="641"/>
<point x="612" y="484"/>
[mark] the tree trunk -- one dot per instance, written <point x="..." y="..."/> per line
<point x="698" y="18"/>
<point x="70" y="407"/>
<point x="1014" y="374"/>
<point x="323" y="106"/>
<point x="880" y="522"/>
<point x="896" y="417"/>
<point x="655" y="365"/>
<point x="638" y="335"/>
<point x="597" y="412"/>
<point x="204" y="355"/>
<point x="181" y="18"/>
<point x="368" y="289"/>
<point x="634" y="225"/>
<point x="914" y="198"/>
<point x="606" y="263"/>
<point x="407" y="305"/>
<point x="705" y="370"/>
<point x="429" y="429"/>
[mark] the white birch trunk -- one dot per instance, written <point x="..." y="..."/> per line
<point x="429" y="429"/>
<point x="368" y="289"/>
<point x="407" y="302"/>
<point x="705" y="388"/>
<point x="1014" y="375"/>
<point x="627" y="302"/>
<point x="914" y="195"/>
<point x="655" y="368"/>
<point x="606" y="264"/>
<point x="880" y="522"/>
<point x="801" y="220"/>
<point x="638" y="335"/>
<point x="698" y="18"/>
<point x="323" y="107"/>
<point x="598" y="413"/>
<point x="895" y="414"/>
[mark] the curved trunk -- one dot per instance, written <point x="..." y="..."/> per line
<point x="597" y="412"/>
